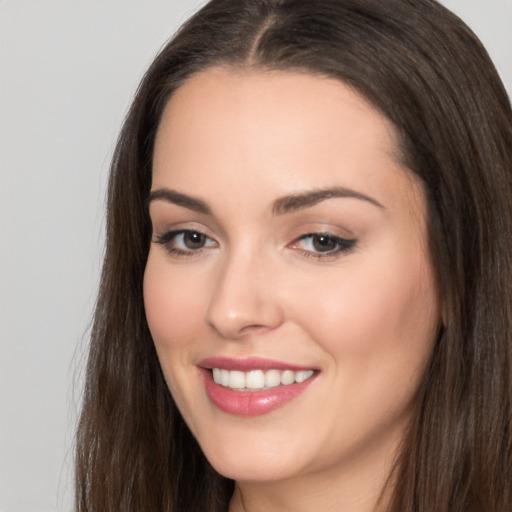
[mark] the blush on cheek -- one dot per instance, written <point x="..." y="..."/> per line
<point x="158" y="303"/>
<point x="172" y="304"/>
<point x="154" y="305"/>
<point x="364" y="317"/>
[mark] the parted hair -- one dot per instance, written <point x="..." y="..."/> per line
<point x="425" y="70"/>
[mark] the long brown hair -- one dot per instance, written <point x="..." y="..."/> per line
<point x="426" y="71"/>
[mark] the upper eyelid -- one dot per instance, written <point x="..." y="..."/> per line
<point x="209" y="224"/>
<point x="167" y="239"/>
<point x="326" y="229"/>
<point x="345" y="245"/>
<point x="179" y="231"/>
<point x="175" y="227"/>
<point x="312" y="231"/>
<point x="162" y="222"/>
<point x="326" y="234"/>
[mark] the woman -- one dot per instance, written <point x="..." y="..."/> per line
<point x="309" y="245"/>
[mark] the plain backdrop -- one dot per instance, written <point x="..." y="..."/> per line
<point x="67" y="72"/>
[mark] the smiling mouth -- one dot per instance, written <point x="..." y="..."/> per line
<point x="254" y="380"/>
<point x="253" y="386"/>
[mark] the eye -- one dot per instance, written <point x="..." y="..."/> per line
<point x="185" y="242"/>
<point x="320" y="245"/>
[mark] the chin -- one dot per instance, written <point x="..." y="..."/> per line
<point x="249" y="471"/>
<point x="257" y="466"/>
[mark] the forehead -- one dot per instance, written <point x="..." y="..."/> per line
<point x="300" y="102"/>
<point x="271" y="129"/>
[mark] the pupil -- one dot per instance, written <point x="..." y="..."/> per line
<point x="194" y="240"/>
<point x="324" y="243"/>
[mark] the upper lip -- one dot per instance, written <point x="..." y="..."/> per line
<point x="248" y="364"/>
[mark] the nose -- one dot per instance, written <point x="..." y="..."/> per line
<point x="244" y="299"/>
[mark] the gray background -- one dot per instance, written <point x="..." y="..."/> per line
<point x="67" y="72"/>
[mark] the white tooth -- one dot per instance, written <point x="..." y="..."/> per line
<point x="255" y="379"/>
<point x="303" y="375"/>
<point x="236" y="379"/>
<point x="287" y="377"/>
<point x="224" y="377"/>
<point x="216" y="376"/>
<point x="272" y="378"/>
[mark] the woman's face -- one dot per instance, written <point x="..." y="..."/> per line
<point x="288" y="290"/>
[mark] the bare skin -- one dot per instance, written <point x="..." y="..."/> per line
<point x="285" y="227"/>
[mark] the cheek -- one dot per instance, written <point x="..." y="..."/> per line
<point x="377" y="321"/>
<point x="173" y="305"/>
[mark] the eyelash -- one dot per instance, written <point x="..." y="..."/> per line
<point x="342" y="245"/>
<point x="168" y="238"/>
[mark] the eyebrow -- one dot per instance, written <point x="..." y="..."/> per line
<point x="171" y="196"/>
<point x="281" y="206"/>
<point x="292" y="203"/>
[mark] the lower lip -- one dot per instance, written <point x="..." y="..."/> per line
<point x="251" y="403"/>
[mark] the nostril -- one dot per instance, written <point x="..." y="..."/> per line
<point x="241" y="304"/>
<point x="254" y="328"/>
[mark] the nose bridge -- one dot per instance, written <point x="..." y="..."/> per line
<point x="243" y="298"/>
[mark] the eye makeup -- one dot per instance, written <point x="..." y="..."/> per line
<point x="322" y="245"/>
<point x="318" y="245"/>
<point x="185" y="242"/>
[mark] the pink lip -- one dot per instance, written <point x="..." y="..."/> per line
<point x="250" y="403"/>
<point x="247" y="364"/>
